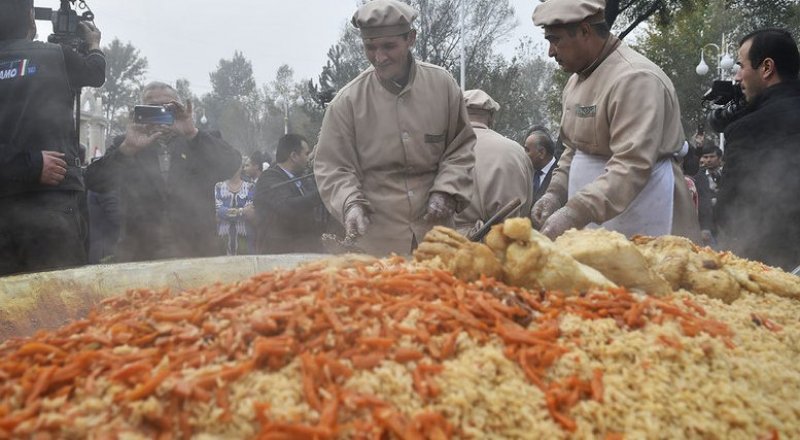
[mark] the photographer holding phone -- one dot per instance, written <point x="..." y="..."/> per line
<point x="40" y="177"/>
<point x="166" y="175"/>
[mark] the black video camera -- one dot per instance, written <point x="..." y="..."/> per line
<point x="727" y="104"/>
<point x="65" y="23"/>
<point x="722" y="92"/>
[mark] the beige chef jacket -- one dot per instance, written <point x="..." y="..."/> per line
<point x="502" y="173"/>
<point x="624" y="108"/>
<point x="388" y="147"/>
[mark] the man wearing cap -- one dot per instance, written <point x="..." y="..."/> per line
<point x="502" y="170"/>
<point x="395" y="151"/>
<point x="621" y="129"/>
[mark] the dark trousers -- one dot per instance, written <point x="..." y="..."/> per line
<point x="41" y="231"/>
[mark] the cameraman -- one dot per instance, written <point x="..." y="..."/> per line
<point x="758" y="203"/>
<point x="40" y="180"/>
<point x="166" y="177"/>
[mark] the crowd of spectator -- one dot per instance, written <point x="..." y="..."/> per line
<point x="401" y="149"/>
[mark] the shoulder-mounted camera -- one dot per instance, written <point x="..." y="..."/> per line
<point x="65" y="23"/>
<point x="725" y="102"/>
<point x="722" y="92"/>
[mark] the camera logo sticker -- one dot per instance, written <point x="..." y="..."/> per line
<point x="16" y="69"/>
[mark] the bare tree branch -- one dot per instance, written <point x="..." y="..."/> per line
<point x="657" y="4"/>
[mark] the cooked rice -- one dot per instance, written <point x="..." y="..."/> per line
<point x="692" y="387"/>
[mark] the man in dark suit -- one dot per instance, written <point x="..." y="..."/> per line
<point x="288" y="214"/>
<point x="165" y="176"/>
<point x="707" y="181"/>
<point x="541" y="151"/>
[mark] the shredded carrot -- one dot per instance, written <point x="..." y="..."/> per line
<point x="132" y="370"/>
<point x="694" y="306"/>
<point x="597" y="385"/>
<point x="222" y="402"/>
<point x="377" y="342"/>
<point x="301" y="431"/>
<point x="334" y="322"/>
<point x="42" y="382"/>
<point x="172" y="315"/>
<point x="328" y="415"/>
<point x="148" y="387"/>
<point x="404" y="355"/>
<point x="365" y="361"/>
<point x="669" y="341"/>
<point x="309" y="371"/>
<point x="13" y="420"/>
<point x="565" y="421"/>
<point x="32" y="348"/>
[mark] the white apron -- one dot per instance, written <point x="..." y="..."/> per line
<point x="650" y="213"/>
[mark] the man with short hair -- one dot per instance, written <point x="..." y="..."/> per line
<point x="621" y="128"/>
<point x="166" y="177"/>
<point x="758" y="203"/>
<point x="41" y="187"/>
<point x="288" y="214"/>
<point x="707" y="184"/>
<point x="395" y="154"/>
<point x="253" y="167"/>
<point x="711" y="159"/>
<point x="541" y="152"/>
<point x="502" y="171"/>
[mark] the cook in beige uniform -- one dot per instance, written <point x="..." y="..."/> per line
<point x="621" y="129"/>
<point x="395" y="151"/>
<point x="502" y="170"/>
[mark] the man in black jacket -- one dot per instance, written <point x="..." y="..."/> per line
<point x="758" y="204"/>
<point x="541" y="151"/>
<point x="165" y="176"/>
<point x="40" y="177"/>
<point x="288" y="214"/>
<point x="707" y="183"/>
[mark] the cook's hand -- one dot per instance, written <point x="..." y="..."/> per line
<point x="544" y="208"/>
<point x="184" y="119"/>
<point x="355" y="221"/>
<point x="561" y="221"/>
<point x="137" y="138"/>
<point x="90" y="34"/>
<point x="441" y="207"/>
<point x="54" y="168"/>
<point x="475" y="228"/>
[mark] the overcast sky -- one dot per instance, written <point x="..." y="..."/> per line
<point x="187" y="38"/>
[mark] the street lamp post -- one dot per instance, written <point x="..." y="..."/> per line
<point x="463" y="19"/>
<point x="285" y="116"/>
<point x="726" y="66"/>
